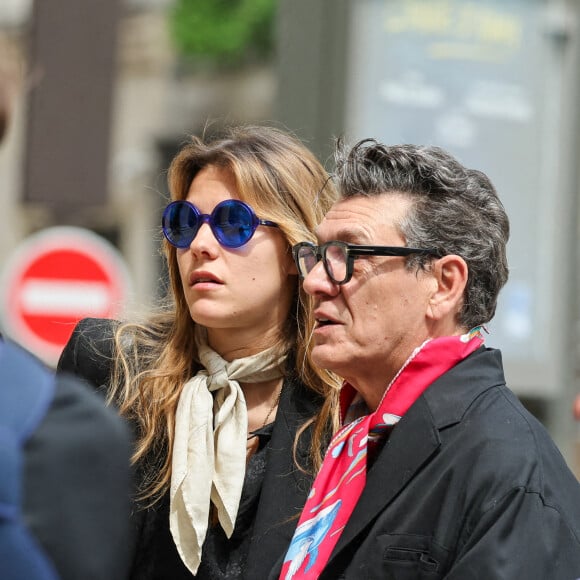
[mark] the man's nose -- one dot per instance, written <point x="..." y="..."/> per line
<point x="317" y="281"/>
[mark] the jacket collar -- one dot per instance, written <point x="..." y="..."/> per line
<point x="450" y="396"/>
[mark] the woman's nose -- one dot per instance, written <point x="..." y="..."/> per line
<point x="204" y="241"/>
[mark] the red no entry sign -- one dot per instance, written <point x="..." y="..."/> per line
<point x="54" y="279"/>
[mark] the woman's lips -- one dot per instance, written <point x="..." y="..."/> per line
<point x="200" y="277"/>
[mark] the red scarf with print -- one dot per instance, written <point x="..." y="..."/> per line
<point x="342" y="477"/>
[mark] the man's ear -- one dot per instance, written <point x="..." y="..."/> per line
<point x="450" y="275"/>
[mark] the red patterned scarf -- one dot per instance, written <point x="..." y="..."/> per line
<point x="342" y="477"/>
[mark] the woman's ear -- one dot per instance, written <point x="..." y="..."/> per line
<point x="450" y="274"/>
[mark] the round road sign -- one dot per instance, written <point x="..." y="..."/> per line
<point x="55" y="278"/>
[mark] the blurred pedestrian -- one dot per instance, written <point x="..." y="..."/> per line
<point x="64" y="465"/>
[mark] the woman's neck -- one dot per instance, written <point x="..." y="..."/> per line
<point x="260" y="394"/>
<point x="232" y="344"/>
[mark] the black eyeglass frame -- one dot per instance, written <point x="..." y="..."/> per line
<point x="351" y="252"/>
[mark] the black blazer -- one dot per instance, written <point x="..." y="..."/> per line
<point x="284" y="488"/>
<point x="469" y="486"/>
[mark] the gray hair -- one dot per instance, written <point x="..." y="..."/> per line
<point x="455" y="210"/>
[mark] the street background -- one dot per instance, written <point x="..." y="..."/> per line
<point x="105" y="91"/>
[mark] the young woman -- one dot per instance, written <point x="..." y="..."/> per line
<point x="230" y="416"/>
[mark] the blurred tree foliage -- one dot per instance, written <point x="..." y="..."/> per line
<point x="223" y="32"/>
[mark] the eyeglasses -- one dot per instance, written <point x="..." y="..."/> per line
<point x="232" y="222"/>
<point x="338" y="257"/>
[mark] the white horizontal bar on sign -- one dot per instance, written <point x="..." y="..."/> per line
<point x="57" y="297"/>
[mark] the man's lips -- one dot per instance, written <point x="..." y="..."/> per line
<point x="323" y="319"/>
<point x="202" y="277"/>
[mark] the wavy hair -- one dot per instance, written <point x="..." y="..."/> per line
<point x="456" y="210"/>
<point x="281" y="179"/>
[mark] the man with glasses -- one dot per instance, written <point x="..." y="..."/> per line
<point x="438" y="470"/>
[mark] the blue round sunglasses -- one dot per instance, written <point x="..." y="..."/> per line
<point x="232" y="222"/>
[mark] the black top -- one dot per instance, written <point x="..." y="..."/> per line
<point x="223" y="558"/>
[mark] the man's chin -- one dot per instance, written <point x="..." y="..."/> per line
<point x="324" y="357"/>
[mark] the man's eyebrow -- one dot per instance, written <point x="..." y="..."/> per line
<point x="350" y="236"/>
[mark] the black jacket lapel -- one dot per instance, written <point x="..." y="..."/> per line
<point x="285" y="487"/>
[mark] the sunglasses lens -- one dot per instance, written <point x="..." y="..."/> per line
<point x="233" y="223"/>
<point x="180" y="224"/>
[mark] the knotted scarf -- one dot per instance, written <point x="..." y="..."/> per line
<point x="342" y="477"/>
<point x="209" y="450"/>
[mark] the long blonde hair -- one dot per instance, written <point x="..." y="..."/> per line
<point x="281" y="179"/>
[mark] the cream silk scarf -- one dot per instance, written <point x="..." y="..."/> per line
<point x="209" y="451"/>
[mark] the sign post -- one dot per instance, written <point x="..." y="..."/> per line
<point x="54" y="279"/>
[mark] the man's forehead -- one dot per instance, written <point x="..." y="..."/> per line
<point x="357" y="218"/>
